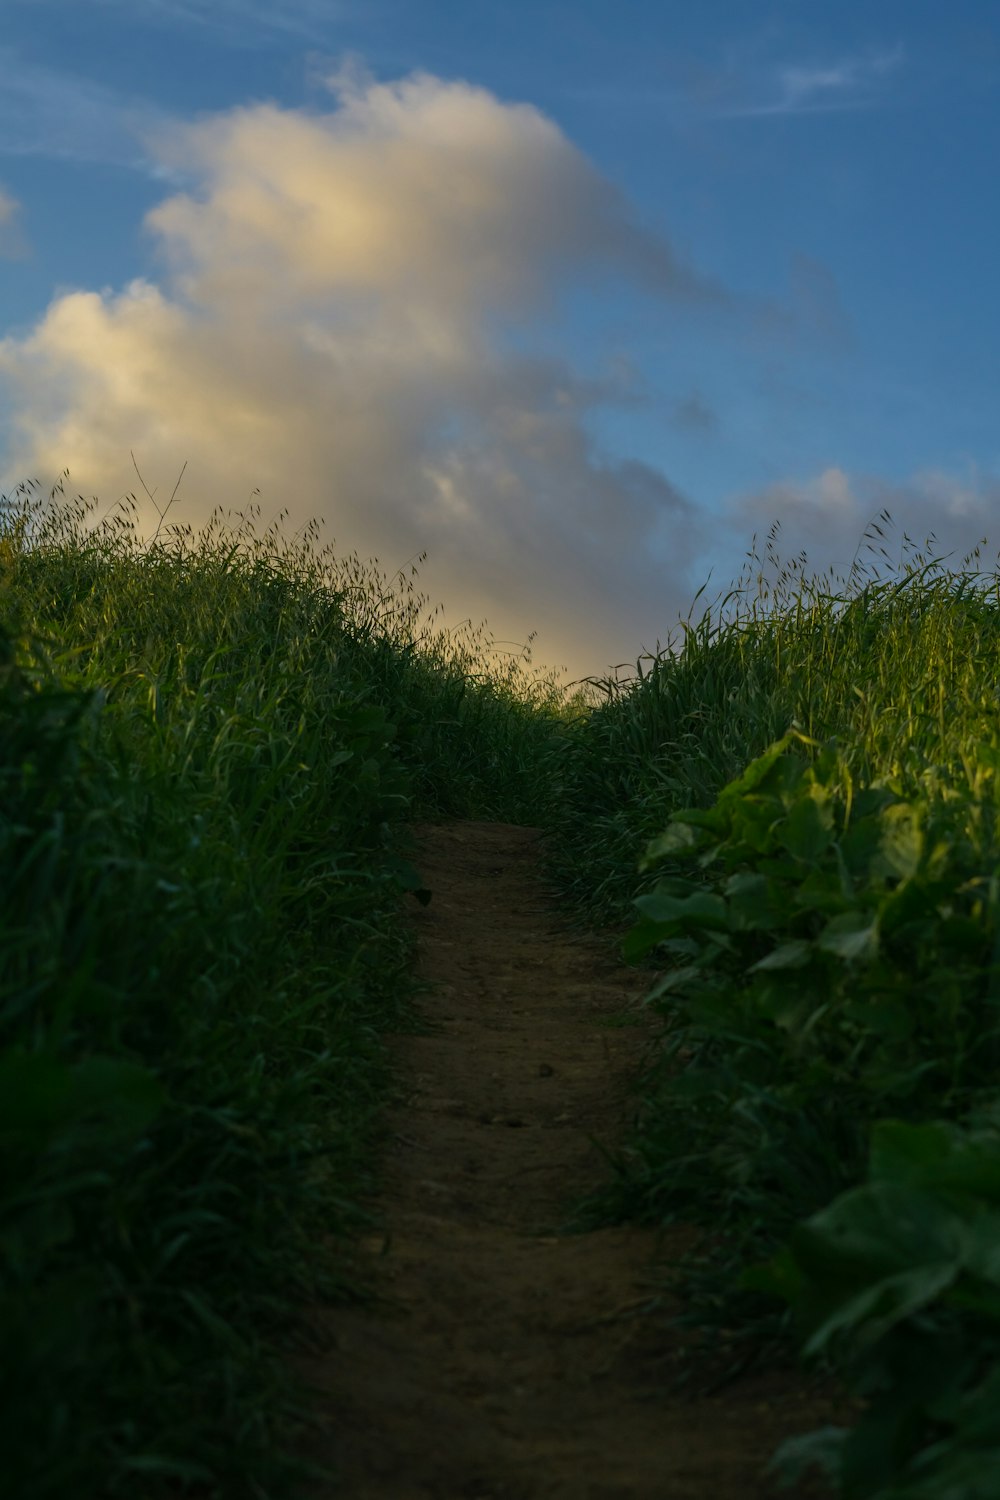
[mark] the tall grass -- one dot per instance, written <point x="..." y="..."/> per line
<point x="814" y="779"/>
<point x="900" y="668"/>
<point x="209" y="748"/>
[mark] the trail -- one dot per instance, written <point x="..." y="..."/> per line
<point x="510" y="1361"/>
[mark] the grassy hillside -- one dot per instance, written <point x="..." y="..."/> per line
<point x="812" y="783"/>
<point x="209" y="749"/>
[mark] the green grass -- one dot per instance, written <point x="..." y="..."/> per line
<point x="210" y="749"/>
<point x="813" y="780"/>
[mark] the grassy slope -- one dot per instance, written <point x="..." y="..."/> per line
<point x="815" y="784"/>
<point x="208" y="750"/>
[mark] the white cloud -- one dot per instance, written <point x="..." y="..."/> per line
<point x="795" y="89"/>
<point x="432" y="194"/>
<point x="326" y="330"/>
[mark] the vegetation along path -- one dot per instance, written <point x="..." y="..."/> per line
<point x="505" y="1358"/>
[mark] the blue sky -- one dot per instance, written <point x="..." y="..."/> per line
<point x="576" y="297"/>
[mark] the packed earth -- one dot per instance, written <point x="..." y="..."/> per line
<point x="505" y="1358"/>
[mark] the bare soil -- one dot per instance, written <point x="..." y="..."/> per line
<point x="506" y="1359"/>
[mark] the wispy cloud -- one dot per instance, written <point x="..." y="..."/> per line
<point x="51" y="112"/>
<point x="745" y="87"/>
<point x="852" y="83"/>
<point x="245" y="23"/>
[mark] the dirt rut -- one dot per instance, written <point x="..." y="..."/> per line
<point x="508" y="1360"/>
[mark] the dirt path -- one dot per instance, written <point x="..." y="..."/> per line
<point x="511" y="1362"/>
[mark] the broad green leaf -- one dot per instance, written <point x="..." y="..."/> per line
<point x="982" y="1260"/>
<point x="676" y="979"/>
<point x="793" y="955"/>
<point x="679" y="838"/>
<point x="821" y="890"/>
<point x="755" y="824"/>
<point x="902" y="841"/>
<point x="872" y="1258"/>
<point x="871" y="800"/>
<point x="912" y="902"/>
<point x="797" y="1456"/>
<point x="852" y="936"/>
<point x="975" y="1413"/>
<point x="783" y="771"/>
<point x="698" y="817"/>
<point x="938" y="1155"/>
<point x="641" y="939"/>
<point x="752" y="907"/>
<point x="860" y="844"/>
<point x="701" y="909"/>
<point x="807" y="830"/>
<point x="881" y="1227"/>
<point x="786" y="997"/>
<point x="881" y="1304"/>
<point x="951" y="1471"/>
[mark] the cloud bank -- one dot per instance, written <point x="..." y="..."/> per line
<point x="826" y="516"/>
<point x="332" y="325"/>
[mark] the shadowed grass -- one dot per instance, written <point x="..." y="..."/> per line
<point x="814" y="779"/>
<point x="209" y="748"/>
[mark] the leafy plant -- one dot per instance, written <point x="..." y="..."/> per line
<point x="898" y="1281"/>
<point x="823" y="917"/>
